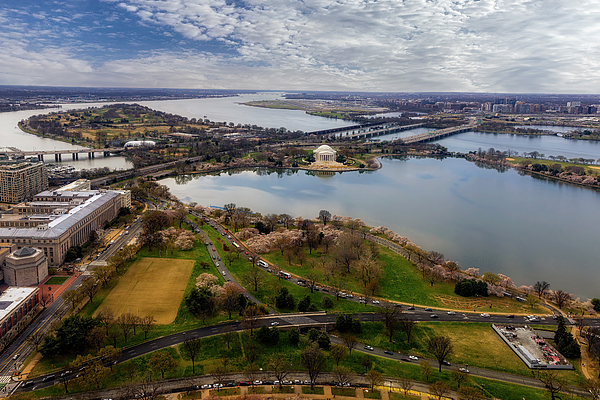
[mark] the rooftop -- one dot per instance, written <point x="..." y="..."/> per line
<point x="12" y="297"/>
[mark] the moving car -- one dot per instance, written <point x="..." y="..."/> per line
<point x="368" y="348"/>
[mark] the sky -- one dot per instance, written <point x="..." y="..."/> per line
<point x="516" y="46"/>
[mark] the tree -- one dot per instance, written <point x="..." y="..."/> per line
<point x="374" y="378"/>
<point x="350" y="342"/>
<point x="440" y="347"/>
<point x="191" y="348"/>
<point x="338" y="353"/>
<point x="280" y="367"/>
<point x="70" y="337"/>
<point x="220" y="374"/>
<point x="104" y="273"/>
<point x="110" y="355"/>
<point x="72" y="296"/>
<point x="596" y="304"/>
<point x="162" y="362"/>
<point x="89" y="287"/>
<point x="313" y="359"/>
<point x="407" y="325"/>
<point x="124" y="322"/>
<point x="181" y="214"/>
<point x="201" y="302"/>
<point x="284" y="299"/>
<point x="540" y="288"/>
<point x="294" y="336"/>
<point x="95" y="374"/>
<point x="406" y="385"/>
<point x="366" y="361"/>
<point x="459" y="376"/>
<point x="592" y="386"/>
<point x="325" y="216"/>
<point x="342" y="375"/>
<point x="439" y="389"/>
<point x="147" y="324"/>
<point x="426" y="370"/>
<point x="561" y="298"/>
<point x="255" y="277"/>
<point x="391" y="319"/>
<point x="252" y="316"/>
<point x="470" y="393"/>
<point x="531" y="301"/>
<point x="552" y="383"/>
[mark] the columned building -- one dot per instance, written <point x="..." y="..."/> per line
<point x="325" y="155"/>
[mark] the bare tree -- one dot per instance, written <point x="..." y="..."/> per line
<point x="280" y="367"/>
<point x="407" y="325"/>
<point x="459" y="376"/>
<point x="255" y="277"/>
<point x="561" y="298"/>
<point x="470" y="393"/>
<point x="314" y="361"/>
<point x="439" y="389"/>
<point x="338" y="352"/>
<point x="552" y="383"/>
<point x="252" y="316"/>
<point x="592" y="386"/>
<point x="106" y="318"/>
<point x="374" y="378"/>
<point x="342" y="375"/>
<point x="426" y="370"/>
<point x="540" y="288"/>
<point x="406" y="385"/>
<point x="147" y="324"/>
<point x="391" y="319"/>
<point x="124" y="323"/>
<point x="325" y="216"/>
<point x="311" y="281"/>
<point x="191" y="348"/>
<point x="350" y="342"/>
<point x="440" y="347"/>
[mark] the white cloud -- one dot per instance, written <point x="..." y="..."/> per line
<point x="388" y="45"/>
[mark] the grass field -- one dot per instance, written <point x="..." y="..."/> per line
<point x="57" y="280"/>
<point x="151" y="286"/>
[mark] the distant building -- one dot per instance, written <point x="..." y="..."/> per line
<point x="21" y="180"/>
<point x="25" y="267"/>
<point x="76" y="186"/>
<point x="140" y="143"/>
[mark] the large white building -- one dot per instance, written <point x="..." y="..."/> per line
<point x="16" y="303"/>
<point x="325" y="155"/>
<point x="58" y="220"/>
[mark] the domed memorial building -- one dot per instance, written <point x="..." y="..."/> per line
<point x="325" y="155"/>
<point x="25" y="267"/>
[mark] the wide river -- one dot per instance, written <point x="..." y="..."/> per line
<point x="530" y="229"/>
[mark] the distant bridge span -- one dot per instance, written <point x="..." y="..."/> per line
<point x="73" y="152"/>
<point x="435" y="135"/>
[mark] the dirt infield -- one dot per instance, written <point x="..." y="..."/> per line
<point x="151" y="286"/>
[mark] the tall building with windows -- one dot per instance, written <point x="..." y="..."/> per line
<point x="20" y="180"/>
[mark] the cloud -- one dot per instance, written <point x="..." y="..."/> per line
<point x="385" y="45"/>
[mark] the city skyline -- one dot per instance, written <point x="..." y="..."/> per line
<point x="414" y="45"/>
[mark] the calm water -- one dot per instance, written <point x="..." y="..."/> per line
<point x="12" y="136"/>
<point x="230" y="109"/>
<point x="527" y="228"/>
<point x="547" y="145"/>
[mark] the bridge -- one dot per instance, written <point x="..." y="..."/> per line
<point x="435" y="135"/>
<point x="91" y="153"/>
<point x="385" y="129"/>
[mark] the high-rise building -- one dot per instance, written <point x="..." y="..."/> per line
<point x="20" y="180"/>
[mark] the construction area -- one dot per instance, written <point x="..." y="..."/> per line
<point x="532" y="348"/>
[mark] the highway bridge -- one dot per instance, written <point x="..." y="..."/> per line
<point x="435" y="135"/>
<point x="384" y="129"/>
<point x="91" y="153"/>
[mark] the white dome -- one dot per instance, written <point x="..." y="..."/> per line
<point x="324" y="148"/>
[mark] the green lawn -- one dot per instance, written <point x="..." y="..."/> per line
<point x="57" y="280"/>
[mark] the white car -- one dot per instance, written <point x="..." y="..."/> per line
<point x="369" y="348"/>
<point x="451" y="313"/>
<point x="375" y="301"/>
<point x="466" y="371"/>
<point x="414" y="358"/>
<point x="485" y="315"/>
<point x="275" y="323"/>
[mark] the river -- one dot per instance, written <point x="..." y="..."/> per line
<point x="527" y="228"/>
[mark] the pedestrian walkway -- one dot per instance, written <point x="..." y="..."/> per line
<point x="4" y="379"/>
